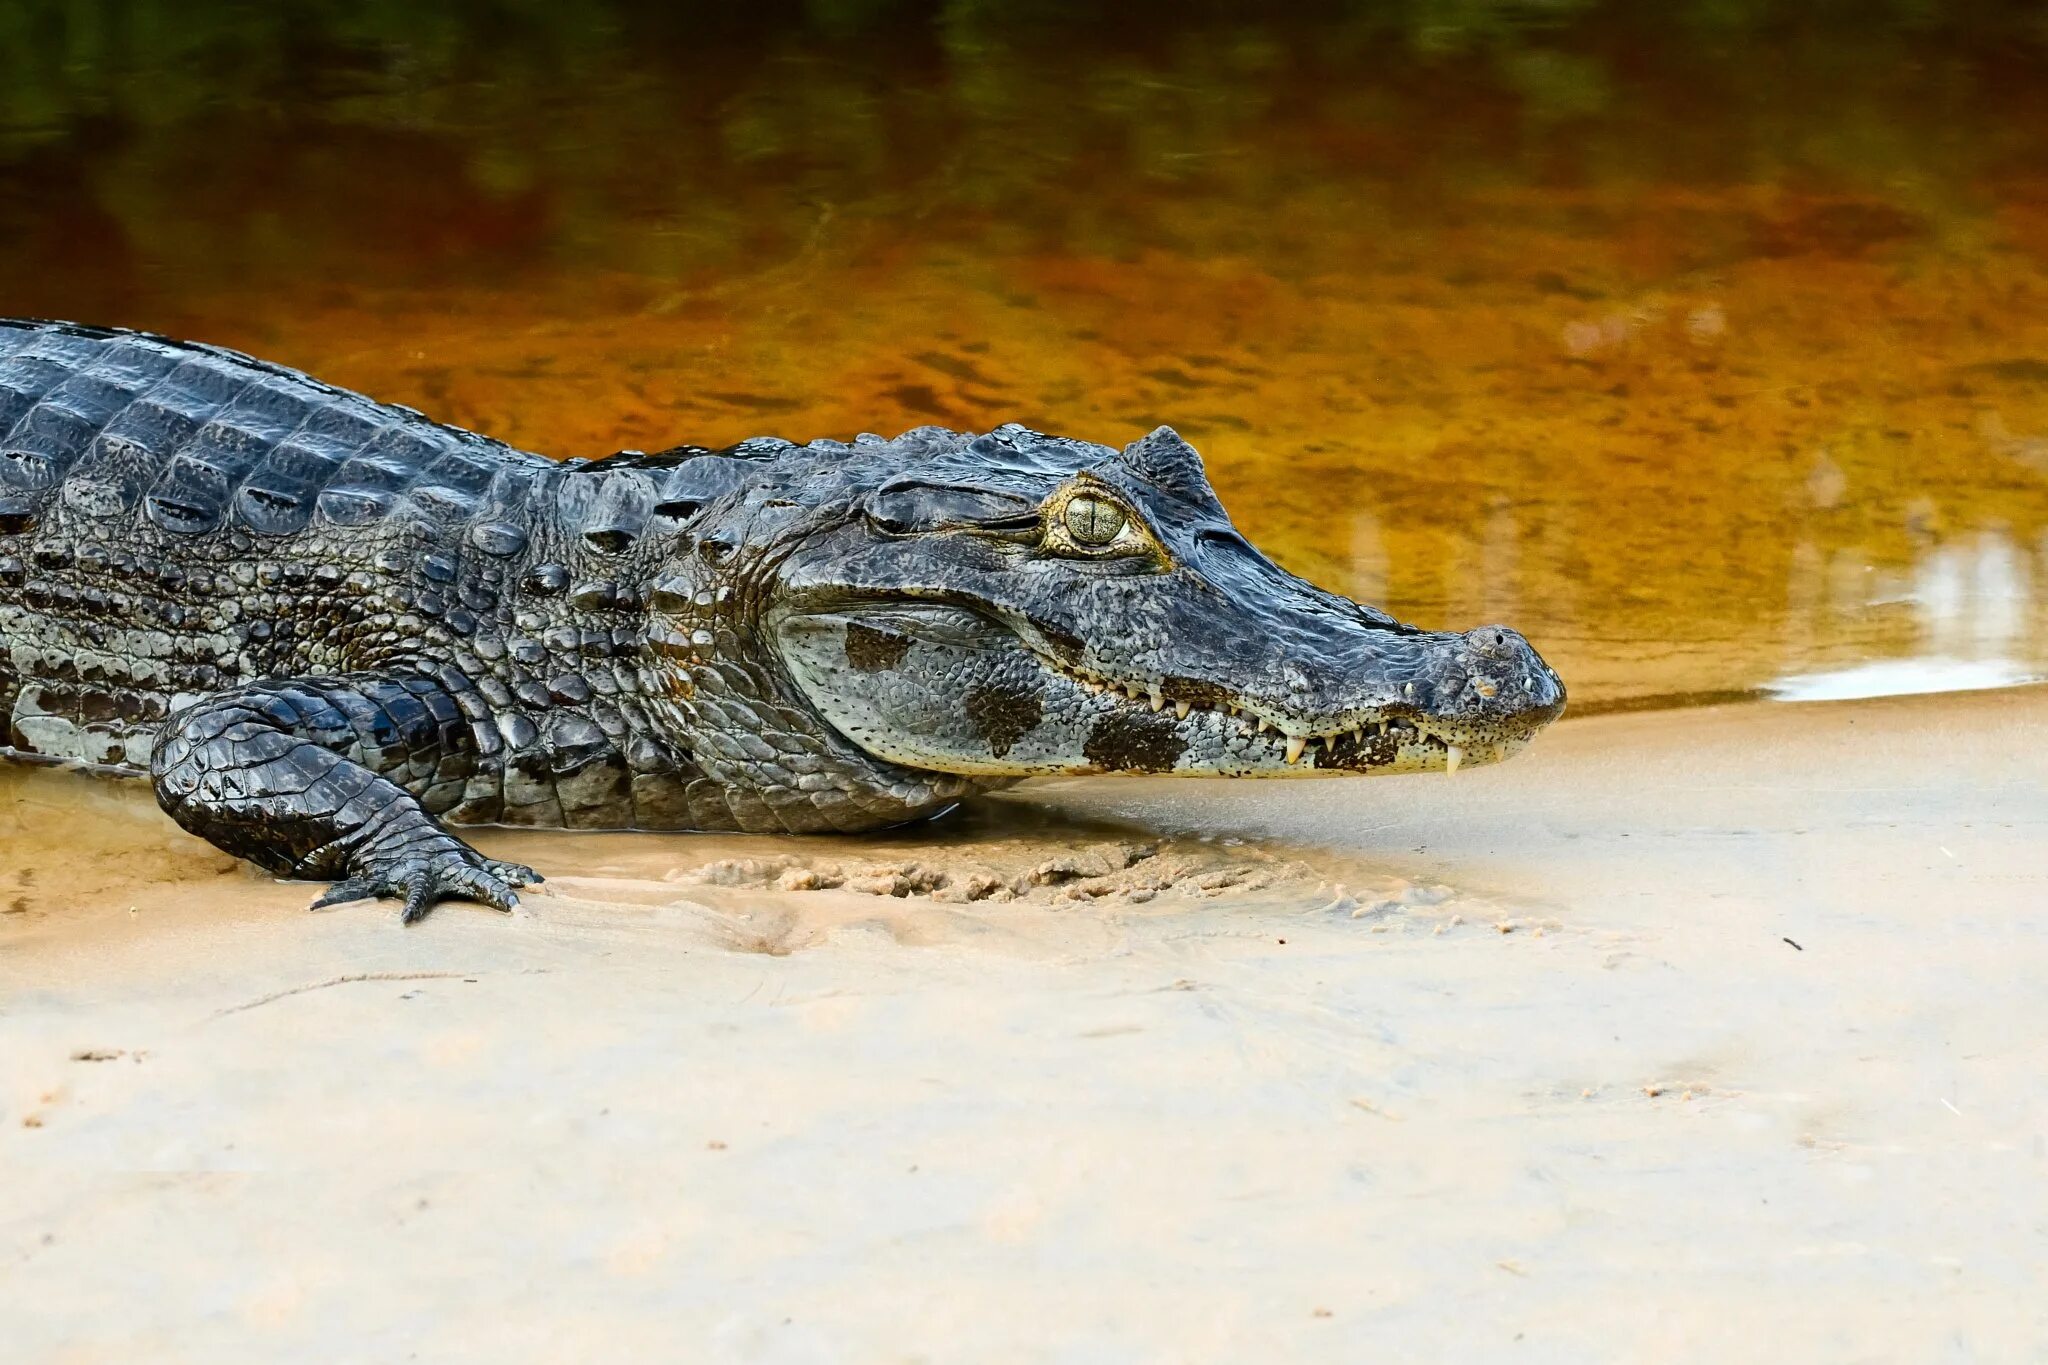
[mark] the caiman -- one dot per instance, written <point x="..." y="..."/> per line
<point x="327" y="629"/>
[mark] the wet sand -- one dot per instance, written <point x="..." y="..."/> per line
<point x="1517" y="1061"/>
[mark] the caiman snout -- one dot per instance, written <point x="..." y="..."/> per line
<point x="1505" y="676"/>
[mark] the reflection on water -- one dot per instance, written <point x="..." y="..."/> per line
<point x="1705" y="342"/>
<point x="1968" y="609"/>
<point x="1902" y="677"/>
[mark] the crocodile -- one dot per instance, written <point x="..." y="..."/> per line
<point x="328" y="629"/>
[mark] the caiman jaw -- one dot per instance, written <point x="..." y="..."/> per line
<point x="1378" y="739"/>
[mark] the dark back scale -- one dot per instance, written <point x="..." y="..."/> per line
<point x="177" y="520"/>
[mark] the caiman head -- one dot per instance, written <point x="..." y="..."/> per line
<point x="1015" y="604"/>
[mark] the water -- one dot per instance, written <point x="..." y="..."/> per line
<point x="1712" y="353"/>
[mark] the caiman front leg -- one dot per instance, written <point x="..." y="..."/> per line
<point x="322" y="778"/>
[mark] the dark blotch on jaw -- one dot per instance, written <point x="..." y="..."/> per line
<point x="1138" y="741"/>
<point x="1003" y="715"/>
<point x="1344" y="751"/>
<point x="870" y="650"/>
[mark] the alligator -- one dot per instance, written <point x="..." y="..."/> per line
<point x="329" y="629"/>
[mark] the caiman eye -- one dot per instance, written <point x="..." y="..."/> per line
<point x="1091" y="521"/>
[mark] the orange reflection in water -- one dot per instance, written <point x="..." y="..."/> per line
<point x="1679" y="430"/>
<point x="1641" y="481"/>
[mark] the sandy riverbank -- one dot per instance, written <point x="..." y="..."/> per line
<point x="1521" y="1061"/>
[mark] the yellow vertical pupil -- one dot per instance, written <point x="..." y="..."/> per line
<point x="1093" y="521"/>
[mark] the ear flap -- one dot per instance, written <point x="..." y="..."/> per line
<point x="910" y="506"/>
<point x="1163" y="459"/>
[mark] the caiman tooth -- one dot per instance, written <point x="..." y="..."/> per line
<point x="1158" y="701"/>
<point x="1295" y="745"/>
<point x="1453" y="756"/>
<point x="1264" y="725"/>
<point x="1181" y="709"/>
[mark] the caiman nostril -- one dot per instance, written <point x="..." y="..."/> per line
<point x="1494" y="642"/>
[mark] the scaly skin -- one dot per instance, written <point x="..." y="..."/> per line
<point x="329" y="628"/>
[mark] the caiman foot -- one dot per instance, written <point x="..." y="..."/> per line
<point x="272" y="771"/>
<point x="423" y="878"/>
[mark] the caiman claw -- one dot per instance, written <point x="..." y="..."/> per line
<point x="422" y="880"/>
